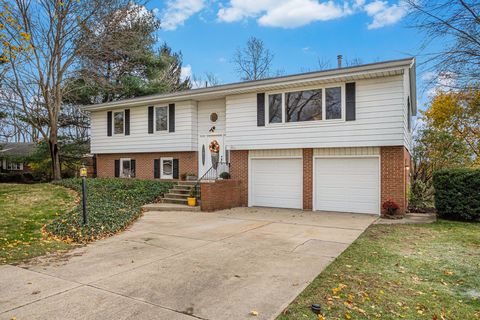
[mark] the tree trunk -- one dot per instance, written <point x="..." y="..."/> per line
<point x="54" y="155"/>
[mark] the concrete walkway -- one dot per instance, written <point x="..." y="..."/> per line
<point x="184" y="265"/>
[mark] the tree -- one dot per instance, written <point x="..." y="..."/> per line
<point x="457" y="113"/>
<point x="254" y="61"/>
<point x="456" y="25"/>
<point x="36" y="77"/>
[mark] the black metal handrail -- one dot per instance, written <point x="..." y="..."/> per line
<point x="212" y="174"/>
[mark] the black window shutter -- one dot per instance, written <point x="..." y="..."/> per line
<point x="127" y="122"/>
<point x="350" y="101"/>
<point x="156" y="168"/>
<point x="132" y="168"/>
<point x="150" y="119"/>
<point x="260" y="109"/>
<point x="117" y="168"/>
<point x="109" y="123"/>
<point x="171" y="117"/>
<point x="175" y="168"/>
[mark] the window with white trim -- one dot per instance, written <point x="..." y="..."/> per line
<point x="126" y="168"/>
<point x="118" y="122"/>
<point x="14" y="166"/>
<point x="317" y="104"/>
<point x="161" y="118"/>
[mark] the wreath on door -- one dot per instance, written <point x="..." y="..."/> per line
<point x="214" y="146"/>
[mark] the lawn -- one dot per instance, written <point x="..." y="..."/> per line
<point x="24" y="209"/>
<point x="427" y="271"/>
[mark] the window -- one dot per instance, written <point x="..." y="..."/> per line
<point x="161" y="118"/>
<point x="333" y="103"/>
<point x="126" y="168"/>
<point x="118" y="122"/>
<point x="275" y="108"/>
<point x="303" y="105"/>
<point x="14" y="166"/>
<point x="213" y="117"/>
<point x="166" y="168"/>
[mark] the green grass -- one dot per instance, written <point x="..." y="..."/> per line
<point x="112" y="205"/>
<point x="24" y="209"/>
<point x="427" y="271"/>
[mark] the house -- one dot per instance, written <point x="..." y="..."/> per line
<point x="334" y="140"/>
<point x="13" y="156"/>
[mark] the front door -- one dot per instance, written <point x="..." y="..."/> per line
<point x="204" y="153"/>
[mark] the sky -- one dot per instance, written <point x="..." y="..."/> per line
<point x="298" y="32"/>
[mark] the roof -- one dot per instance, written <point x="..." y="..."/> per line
<point x="365" y="71"/>
<point x="16" y="149"/>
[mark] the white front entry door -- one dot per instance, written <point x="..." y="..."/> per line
<point x="276" y="182"/>
<point x="204" y="154"/>
<point x="347" y="185"/>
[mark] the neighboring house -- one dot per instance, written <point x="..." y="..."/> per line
<point x="334" y="140"/>
<point x="13" y="156"/>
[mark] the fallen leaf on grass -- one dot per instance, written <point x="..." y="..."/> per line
<point x="254" y="313"/>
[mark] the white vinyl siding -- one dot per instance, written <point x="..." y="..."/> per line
<point x="347" y="184"/>
<point x="379" y="122"/>
<point x="205" y="109"/>
<point x="183" y="139"/>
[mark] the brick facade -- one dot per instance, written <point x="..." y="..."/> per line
<point x="239" y="171"/>
<point x="307" y="178"/>
<point x="394" y="176"/>
<point x="220" y="195"/>
<point x="187" y="161"/>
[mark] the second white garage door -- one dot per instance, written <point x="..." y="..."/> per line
<point x="347" y="185"/>
<point x="276" y="183"/>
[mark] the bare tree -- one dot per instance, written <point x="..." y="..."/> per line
<point x="253" y="61"/>
<point x="456" y="23"/>
<point x="35" y="77"/>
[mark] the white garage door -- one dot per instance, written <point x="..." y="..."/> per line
<point x="347" y="185"/>
<point x="276" y="183"/>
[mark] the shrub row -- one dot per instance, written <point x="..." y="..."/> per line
<point x="457" y="193"/>
<point x="112" y="204"/>
<point x="18" y="178"/>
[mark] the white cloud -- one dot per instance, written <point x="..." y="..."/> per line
<point x="178" y="11"/>
<point x="186" y="72"/>
<point x="384" y="14"/>
<point x="283" y="13"/>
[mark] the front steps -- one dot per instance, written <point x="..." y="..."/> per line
<point x="179" y="193"/>
<point x="168" y="207"/>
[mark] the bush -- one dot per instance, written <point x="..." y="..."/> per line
<point x="457" y="193"/>
<point x="112" y="205"/>
<point x="390" y="207"/>
<point x="225" y="175"/>
<point x="25" y="177"/>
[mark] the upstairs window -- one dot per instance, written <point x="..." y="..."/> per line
<point x="303" y="105"/>
<point x="14" y="166"/>
<point x="118" y="122"/>
<point x="333" y="102"/>
<point x="161" y="118"/>
<point x="308" y="105"/>
<point x="275" y="108"/>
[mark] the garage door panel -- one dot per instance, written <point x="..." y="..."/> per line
<point x="347" y="184"/>
<point x="276" y="183"/>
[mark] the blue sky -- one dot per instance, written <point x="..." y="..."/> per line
<point x="298" y="32"/>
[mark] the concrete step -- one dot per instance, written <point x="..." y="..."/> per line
<point x="168" y="207"/>
<point x="176" y="195"/>
<point x="174" y="200"/>
<point x="183" y="187"/>
<point x="187" y="183"/>
<point x="180" y="191"/>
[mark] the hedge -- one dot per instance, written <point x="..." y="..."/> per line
<point x="112" y="205"/>
<point x="457" y="193"/>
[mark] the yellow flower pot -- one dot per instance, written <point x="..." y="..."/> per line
<point x="192" y="202"/>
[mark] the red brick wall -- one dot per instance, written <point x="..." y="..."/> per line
<point x="394" y="175"/>
<point x="221" y="194"/>
<point x="239" y="171"/>
<point x="307" y="178"/>
<point x="187" y="162"/>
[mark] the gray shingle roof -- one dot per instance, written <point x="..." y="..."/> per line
<point x="16" y="149"/>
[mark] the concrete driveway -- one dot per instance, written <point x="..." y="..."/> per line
<point x="184" y="265"/>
